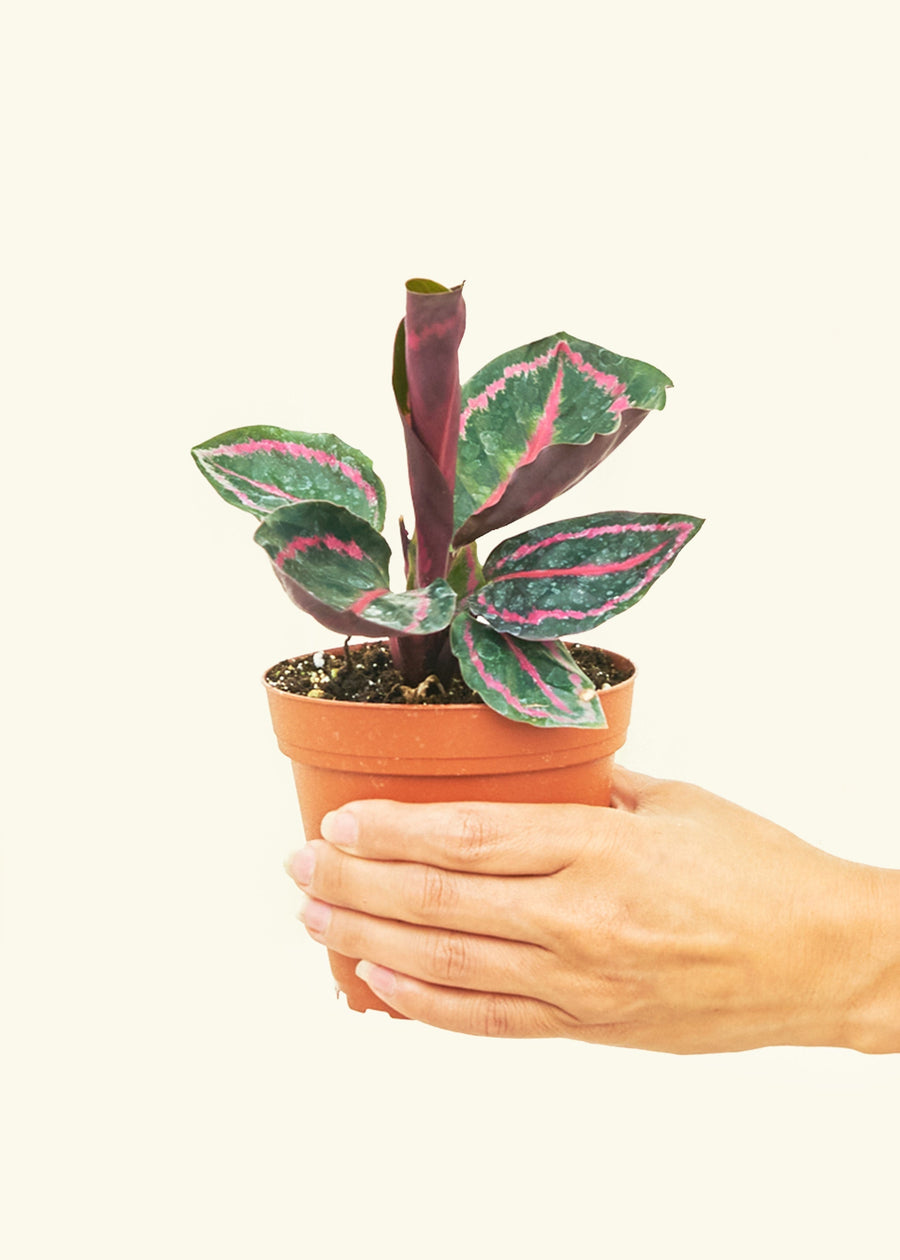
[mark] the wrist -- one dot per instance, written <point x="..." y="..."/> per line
<point x="873" y="1008"/>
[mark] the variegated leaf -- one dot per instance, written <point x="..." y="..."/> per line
<point x="336" y="559"/>
<point x="554" y="470"/>
<point x="418" y="612"/>
<point x="552" y="393"/>
<point x="263" y="468"/>
<point x="529" y="682"/>
<point x="567" y="577"/>
<point x="344" y="623"/>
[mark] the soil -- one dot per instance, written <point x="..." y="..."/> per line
<point x="366" y="674"/>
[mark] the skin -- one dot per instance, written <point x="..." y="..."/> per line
<point x="674" y="921"/>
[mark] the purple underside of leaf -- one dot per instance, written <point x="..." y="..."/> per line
<point x="556" y="392"/>
<point x="336" y="566"/>
<point x="404" y="614"/>
<point x="553" y="471"/>
<point x="343" y="623"/>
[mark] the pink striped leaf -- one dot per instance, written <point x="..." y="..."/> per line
<point x="567" y="577"/>
<point x="556" y="469"/>
<point x="335" y="565"/>
<point x="529" y="682"/>
<point x="344" y="623"/>
<point x="263" y="468"/>
<point x="536" y="420"/>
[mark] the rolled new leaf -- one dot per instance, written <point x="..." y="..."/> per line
<point x="335" y="565"/>
<point x="433" y="328"/>
<point x="263" y="468"/>
<point x="536" y="420"/>
<point x="529" y="682"/>
<point x="426" y="386"/>
<point x="567" y="577"/>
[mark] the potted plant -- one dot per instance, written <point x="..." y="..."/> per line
<point x="472" y="694"/>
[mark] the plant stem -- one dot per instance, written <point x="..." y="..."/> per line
<point x="417" y="656"/>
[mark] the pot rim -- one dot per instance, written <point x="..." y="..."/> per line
<point x="426" y="708"/>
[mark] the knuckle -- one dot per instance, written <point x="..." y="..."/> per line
<point x="476" y="837"/>
<point x="347" y="936"/>
<point x="565" y="1023"/>
<point x="329" y="876"/>
<point x="449" y="957"/>
<point x="436" y="893"/>
<point x="496" y="1016"/>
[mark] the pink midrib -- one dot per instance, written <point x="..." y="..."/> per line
<point x="538" y="615"/>
<point x="603" y="380"/>
<point x="541" y="438"/>
<point x="270" y="446"/>
<point x="595" y="531"/>
<point x="330" y="542"/>
<point x="494" y="683"/>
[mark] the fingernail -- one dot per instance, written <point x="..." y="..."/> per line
<point x="300" y="866"/>
<point x="341" y="828"/>
<point x="316" y="916"/>
<point x="379" y="979"/>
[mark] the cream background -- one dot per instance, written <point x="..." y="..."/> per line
<point x="210" y="213"/>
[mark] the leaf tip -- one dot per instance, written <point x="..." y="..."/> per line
<point x="419" y="285"/>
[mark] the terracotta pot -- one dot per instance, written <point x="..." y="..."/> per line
<point x="343" y="751"/>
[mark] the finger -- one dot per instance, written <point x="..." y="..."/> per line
<point x="484" y="837"/>
<point x="434" y="955"/>
<point x="456" y="1010"/>
<point x="487" y="905"/>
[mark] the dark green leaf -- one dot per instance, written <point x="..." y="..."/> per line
<point x="339" y="561"/>
<point x="263" y="468"/>
<point x="557" y="391"/>
<point x="529" y="682"/>
<point x="567" y="577"/>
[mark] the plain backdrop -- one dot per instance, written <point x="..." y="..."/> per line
<point x="209" y="213"/>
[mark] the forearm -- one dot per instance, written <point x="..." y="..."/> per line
<point x="874" y="1008"/>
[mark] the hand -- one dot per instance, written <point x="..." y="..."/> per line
<point x="674" y="921"/>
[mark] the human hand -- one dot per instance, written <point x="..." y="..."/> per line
<point x="675" y="921"/>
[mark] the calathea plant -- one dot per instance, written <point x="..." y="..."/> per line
<point x="525" y="428"/>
